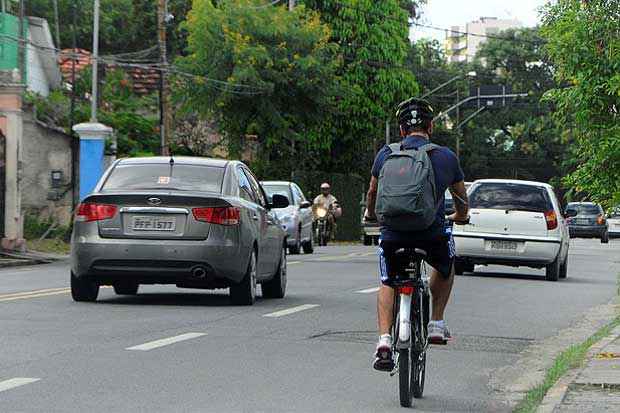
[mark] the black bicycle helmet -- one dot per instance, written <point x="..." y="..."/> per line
<point x="414" y="112"/>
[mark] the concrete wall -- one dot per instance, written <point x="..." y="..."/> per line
<point x="46" y="150"/>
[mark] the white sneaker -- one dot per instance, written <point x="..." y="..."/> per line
<point x="384" y="360"/>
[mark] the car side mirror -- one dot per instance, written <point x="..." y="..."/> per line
<point x="305" y="204"/>
<point x="278" y="202"/>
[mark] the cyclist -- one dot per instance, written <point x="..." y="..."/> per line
<point x="415" y="118"/>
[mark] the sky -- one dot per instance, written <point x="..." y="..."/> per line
<point x="447" y="13"/>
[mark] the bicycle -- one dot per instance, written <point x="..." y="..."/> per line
<point x="410" y="327"/>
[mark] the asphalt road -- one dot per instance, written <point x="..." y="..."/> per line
<point x="172" y="350"/>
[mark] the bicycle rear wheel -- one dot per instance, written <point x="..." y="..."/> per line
<point x="420" y="318"/>
<point x="405" y="371"/>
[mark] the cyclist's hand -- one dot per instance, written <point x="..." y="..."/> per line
<point x="459" y="219"/>
<point x="370" y="219"/>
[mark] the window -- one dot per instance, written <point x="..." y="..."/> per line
<point x="301" y="193"/>
<point x="150" y="176"/>
<point x="506" y="196"/>
<point x="245" y="190"/>
<point x="256" y="189"/>
<point x="583" y="209"/>
<point x="283" y="190"/>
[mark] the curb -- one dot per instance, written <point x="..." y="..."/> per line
<point x="8" y="263"/>
<point x="555" y="396"/>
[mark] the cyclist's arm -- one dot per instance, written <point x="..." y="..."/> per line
<point x="461" y="202"/>
<point x="371" y="199"/>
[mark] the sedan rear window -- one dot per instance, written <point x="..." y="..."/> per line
<point x="181" y="177"/>
<point x="515" y="197"/>
<point x="583" y="209"/>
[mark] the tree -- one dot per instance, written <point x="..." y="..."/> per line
<point x="373" y="40"/>
<point x="269" y="73"/>
<point x="583" y="42"/>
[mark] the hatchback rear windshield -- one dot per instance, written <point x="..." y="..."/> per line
<point x="583" y="209"/>
<point x="516" y="197"/>
<point x="163" y="176"/>
<point x="283" y="190"/>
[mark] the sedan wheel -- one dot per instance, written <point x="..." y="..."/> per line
<point x="244" y="293"/>
<point x="605" y="238"/>
<point x="308" y="246"/>
<point x="276" y="287"/>
<point x="295" y="249"/>
<point x="83" y="290"/>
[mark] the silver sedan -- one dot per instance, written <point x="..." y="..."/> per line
<point x="296" y="218"/>
<point x="192" y="222"/>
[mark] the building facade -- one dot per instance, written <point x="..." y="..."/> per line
<point x="462" y="43"/>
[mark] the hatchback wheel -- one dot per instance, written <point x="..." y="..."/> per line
<point x="126" y="288"/>
<point x="553" y="270"/>
<point x="564" y="268"/>
<point x="244" y="293"/>
<point x="276" y="287"/>
<point x="83" y="290"/>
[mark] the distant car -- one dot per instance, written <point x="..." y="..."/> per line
<point x="514" y="223"/>
<point x="296" y="218"/>
<point x="586" y="219"/>
<point x="192" y="222"/>
<point x="613" y="223"/>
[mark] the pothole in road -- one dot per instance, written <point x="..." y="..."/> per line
<point x="461" y="342"/>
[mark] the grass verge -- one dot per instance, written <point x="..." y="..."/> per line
<point x="54" y="246"/>
<point x="570" y="358"/>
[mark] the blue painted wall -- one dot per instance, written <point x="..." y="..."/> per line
<point x="91" y="164"/>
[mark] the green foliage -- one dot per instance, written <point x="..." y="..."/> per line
<point x="126" y="25"/>
<point x="584" y="45"/>
<point x="35" y="227"/>
<point x="129" y="115"/>
<point x="287" y="59"/>
<point x="373" y="40"/>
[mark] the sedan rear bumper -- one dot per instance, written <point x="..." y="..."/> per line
<point x="596" y="231"/>
<point x="158" y="262"/>
<point x="530" y="251"/>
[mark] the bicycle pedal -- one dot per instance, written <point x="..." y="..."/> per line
<point x="438" y="342"/>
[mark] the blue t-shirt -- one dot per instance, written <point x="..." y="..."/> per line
<point x="447" y="172"/>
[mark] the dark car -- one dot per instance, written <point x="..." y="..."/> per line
<point x="587" y="220"/>
<point x="192" y="222"/>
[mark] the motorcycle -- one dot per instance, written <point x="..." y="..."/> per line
<point x="324" y="219"/>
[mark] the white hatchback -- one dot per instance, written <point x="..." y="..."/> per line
<point x="514" y="223"/>
<point x="613" y="222"/>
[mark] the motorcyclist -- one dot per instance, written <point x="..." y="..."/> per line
<point x="329" y="202"/>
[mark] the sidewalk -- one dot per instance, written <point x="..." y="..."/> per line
<point x="593" y="388"/>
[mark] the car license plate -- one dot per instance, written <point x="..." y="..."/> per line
<point x="153" y="223"/>
<point x="503" y="245"/>
<point x="583" y="221"/>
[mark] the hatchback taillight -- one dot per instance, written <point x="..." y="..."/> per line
<point x="217" y="215"/>
<point x="552" y="220"/>
<point x="600" y="220"/>
<point x="88" y="212"/>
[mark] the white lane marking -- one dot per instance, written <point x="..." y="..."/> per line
<point x="292" y="310"/>
<point x="33" y="292"/>
<point x="368" y="290"/>
<point x="165" y="341"/>
<point x="16" y="382"/>
<point x="293" y="262"/>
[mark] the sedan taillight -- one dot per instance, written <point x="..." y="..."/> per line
<point x="552" y="220"/>
<point x="600" y="220"/>
<point x="89" y="212"/>
<point x="217" y="215"/>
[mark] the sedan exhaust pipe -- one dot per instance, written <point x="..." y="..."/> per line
<point x="199" y="272"/>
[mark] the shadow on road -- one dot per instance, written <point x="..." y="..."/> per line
<point x="536" y="277"/>
<point x="171" y="299"/>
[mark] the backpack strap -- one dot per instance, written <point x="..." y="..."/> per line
<point x="429" y="147"/>
<point x="395" y="147"/>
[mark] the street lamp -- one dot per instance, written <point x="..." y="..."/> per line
<point x="470" y="75"/>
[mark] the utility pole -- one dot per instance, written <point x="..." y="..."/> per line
<point x="291" y="5"/>
<point x="57" y="17"/>
<point x="75" y="142"/>
<point x="458" y="119"/>
<point x="165" y="122"/>
<point x="95" y="60"/>
<point x="387" y="132"/>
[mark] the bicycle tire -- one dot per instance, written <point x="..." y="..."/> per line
<point x="404" y="377"/>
